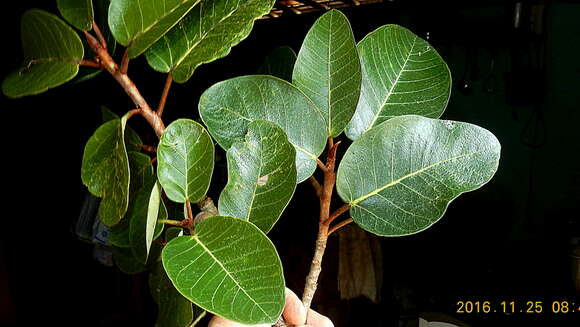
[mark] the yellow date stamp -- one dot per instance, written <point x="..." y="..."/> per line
<point x="531" y="307"/>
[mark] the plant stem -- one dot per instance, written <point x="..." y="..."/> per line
<point x="325" y="197"/>
<point x="164" y="95"/>
<point x="127" y="84"/>
<point x="339" y="225"/>
<point x="171" y="222"/>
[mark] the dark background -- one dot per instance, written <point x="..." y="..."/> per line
<point x="513" y="239"/>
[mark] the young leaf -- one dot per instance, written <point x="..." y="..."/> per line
<point x="174" y="309"/>
<point x="328" y="70"/>
<point x="400" y="176"/>
<point x="105" y="170"/>
<point x="230" y="268"/>
<point x="401" y="75"/>
<point x="143" y="215"/>
<point x="132" y="140"/>
<point x="207" y="33"/>
<point x="279" y="63"/>
<point x="77" y="12"/>
<point x="261" y="176"/>
<point x="52" y="50"/>
<point x="185" y="157"/>
<point x="228" y="107"/>
<point x="137" y="24"/>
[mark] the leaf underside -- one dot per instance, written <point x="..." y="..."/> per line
<point x="52" y="50"/>
<point x="228" y="107"/>
<point x="261" y="176"/>
<point x="401" y="75"/>
<point x="230" y="268"/>
<point x="207" y="33"/>
<point x="400" y="176"/>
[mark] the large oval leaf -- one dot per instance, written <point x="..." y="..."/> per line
<point x="401" y="75"/>
<point x="261" y="176"/>
<point x="400" y="176"/>
<point x="279" y="63"/>
<point x="105" y="170"/>
<point x="137" y="24"/>
<point x="328" y="70"/>
<point x="230" y="268"/>
<point x="77" y="12"/>
<point x="229" y="106"/>
<point x="208" y="33"/>
<point x="52" y="50"/>
<point x="185" y="158"/>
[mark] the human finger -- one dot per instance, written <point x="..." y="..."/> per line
<point x="315" y="319"/>
<point x="218" y="321"/>
<point x="294" y="311"/>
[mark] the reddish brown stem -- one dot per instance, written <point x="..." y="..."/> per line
<point x="127" y="84"/>
<point x="339" y="225"/>
<point x="100" y="36"/>
<point x="324" y="198"/>
<point x="164" y="95"/>
<point x="345" y="207"/>
<point x="125" y="62"/>
<point x="90" y="63"/>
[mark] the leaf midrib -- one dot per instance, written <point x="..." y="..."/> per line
<point x="198" y="241"/>
<point x="417" y="172"/>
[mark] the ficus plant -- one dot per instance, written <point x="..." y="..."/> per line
<point x="386" y="93"/>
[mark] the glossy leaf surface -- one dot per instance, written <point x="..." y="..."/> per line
<point x="207" y="33"/>
<point x="401" y="75"/>
<point x="228" y="107"/>
<point x="400" y="176"/>
<point x="77" y="12"/>
<point x="261" y="176"/>
<point x="279" y="63"/>
<point x="328" y="70"/>
<point x="51" y="49"/>
<point x="138" y="24"/>
<point x="230" y="268"/>
<point x="105" y="170"/>
<point x="185" y="158"/>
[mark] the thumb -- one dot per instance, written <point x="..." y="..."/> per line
<point x="218" y="321"/>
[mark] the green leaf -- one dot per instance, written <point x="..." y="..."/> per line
<point x="132" y="140"/>
<point x="174" y="309"/>
<point x="328" y="70"/>
<point x="173" y="232"/>
<point x="261" y="176"/>
<point x="400" y="176"/>
<point x="52" y="50"/>
<point x="77" y="12"/>
<point x="138" y="24"/>
<point x="230" y="268"/>
<point x="105" y="170"/>
<point x="279" y="63"/>
<point x="401" y="75"/>
<point x="207" y="33"/>
<point x="155" y="212"/>
<point x="142" y="234"/>
<point x="229" y="106"/>
<point x="142" y="176"/>
<point x="185" y="157"/>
